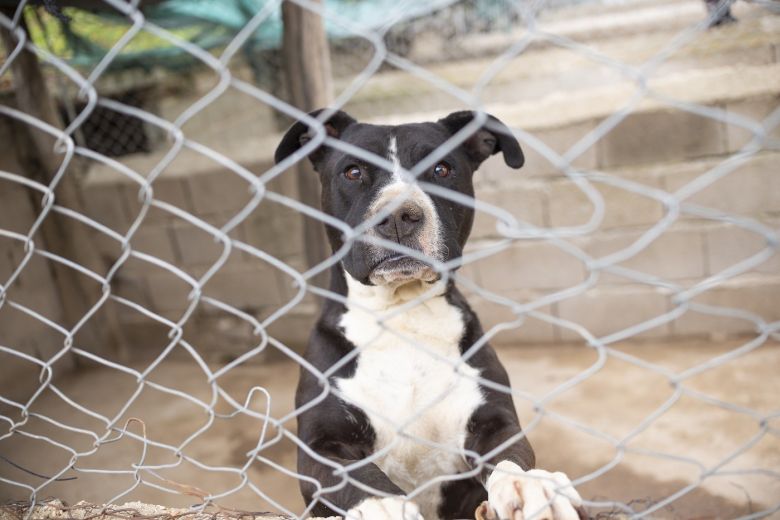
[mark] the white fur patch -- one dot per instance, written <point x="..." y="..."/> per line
<point x="392" y="155"/>
<point x="400" y="385"/>
<point x="430" y="240"/>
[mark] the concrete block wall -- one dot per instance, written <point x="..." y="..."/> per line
<point x="184" y="239"/>
<point x="34" y="288"/>
<point x="660" y="150"/>
<point x="691" y="250"/>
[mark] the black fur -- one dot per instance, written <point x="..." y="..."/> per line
<point x="340" y="432"/>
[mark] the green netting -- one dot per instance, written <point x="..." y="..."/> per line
<point x="85" y="37"/>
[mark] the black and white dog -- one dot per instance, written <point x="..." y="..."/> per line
<point x="410" y="421"/>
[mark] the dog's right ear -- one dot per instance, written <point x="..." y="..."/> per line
<point x="300" y="133"/>
<point x="492" y="138"/>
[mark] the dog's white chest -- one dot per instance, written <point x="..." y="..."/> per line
<point x="416" y="394"/>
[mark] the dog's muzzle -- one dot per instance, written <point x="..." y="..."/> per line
<point x="398" y="269"/>
<point x="409" y="226"/>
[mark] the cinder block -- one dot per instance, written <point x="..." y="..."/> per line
<point x="289" y="288"/>
<point x="529" y="329"/>
<point x="529" y="265"/>
<point x="283" y="184"/>
<point x="167" y="189"/>
<point x="294" y="329"/>
<point x="144" y="337"/>
<point x="751" y="189"/>
<point x="757" y="294"/>
<point x="470" y="272"/>
<point x="219" y="192"/>
<point x="570" y="206"/>
<point x="168" y="293"/>
<point x="107" y="203"/>
<point x="278" y="235"/>
<point x="219" y="195"/>
<point x="661" y="136"/>
<point x="484" y="223"/>
<point x="155" y="240"/>
<point x="107" y="247"/>
<point x="675" y="255"/>
<point x="246" y="286"/>
<point x="604" y="311"/>
<point x="219" y="336"/>
<point x="728" y="244"/>
<point x="297" y="262"/>
<point x="134" y="266"/>
<point x="558" y="139"/>
<point x="755" y="109"/>
<point x="525" y="203"/>
<point x="196" y="246"/>
<point x="133" y="287"/>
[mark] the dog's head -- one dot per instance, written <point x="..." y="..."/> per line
<point x="354" y="190"/>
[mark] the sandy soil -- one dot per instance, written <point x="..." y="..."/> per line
<point x="715" y="429"/>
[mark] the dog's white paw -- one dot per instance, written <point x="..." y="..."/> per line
<point x="514" y="494"/>
<point x="392" y="508"/>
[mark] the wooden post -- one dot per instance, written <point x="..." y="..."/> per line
<point x="306" y="60"/>
<point x="60" y="235"/>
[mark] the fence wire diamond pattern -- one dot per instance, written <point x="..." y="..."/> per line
<point x="19" y="417"/>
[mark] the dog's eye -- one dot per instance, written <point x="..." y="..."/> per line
<point x="353" y="173"/>
<point x="442" y="170"/>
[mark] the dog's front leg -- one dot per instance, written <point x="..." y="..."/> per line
<point x="515" y="488"/>
<point x="357" y="500"/>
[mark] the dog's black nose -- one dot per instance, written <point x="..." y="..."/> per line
<point x="403" y="222"/>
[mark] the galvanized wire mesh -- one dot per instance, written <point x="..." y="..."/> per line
<point x="115" y="427"/>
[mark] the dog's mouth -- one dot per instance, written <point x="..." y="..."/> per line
<point x="398" y="268"/>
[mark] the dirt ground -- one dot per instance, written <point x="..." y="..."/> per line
<point x="719" y="432"/>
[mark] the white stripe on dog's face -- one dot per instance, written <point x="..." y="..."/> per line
<point x="429" y="239"/>
<point x="392" y="155"/>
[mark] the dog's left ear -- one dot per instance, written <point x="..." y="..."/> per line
<point x="299" y="134"/>
<point x="492" y="138"/>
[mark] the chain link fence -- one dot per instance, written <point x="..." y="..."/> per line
<point x="80" y="407"/>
